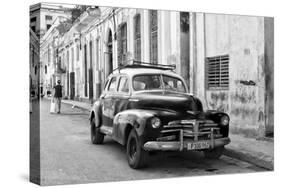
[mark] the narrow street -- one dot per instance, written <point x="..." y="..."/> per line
<point x="67" y="155"/>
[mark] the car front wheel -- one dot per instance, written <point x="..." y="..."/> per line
<point x="136" y="156"/>
<point x="214" y="153"/>
<point x="96" y="136"/>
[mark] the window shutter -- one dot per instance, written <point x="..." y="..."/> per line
<point x="137" y="38"/>
<point x="153" y="36"/>
<point x="119" y="46"/>
<point x="122" y="43"/>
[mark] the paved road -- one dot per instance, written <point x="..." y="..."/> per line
<point x="67" y="156"/>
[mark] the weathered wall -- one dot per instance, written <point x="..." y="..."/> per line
<point x="269" y="74"/>
<point x="169" y="41"/>
<point x="242" y="38"/>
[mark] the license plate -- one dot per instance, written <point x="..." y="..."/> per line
<point x="196" y="145"/>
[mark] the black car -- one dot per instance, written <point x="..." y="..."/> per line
<point x="147" y="108"/>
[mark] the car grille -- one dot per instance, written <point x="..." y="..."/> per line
<point x="191" y="130"/>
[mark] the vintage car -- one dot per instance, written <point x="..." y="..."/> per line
<point x="147" y="108"/>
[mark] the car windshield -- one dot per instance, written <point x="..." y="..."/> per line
<point x="155" y="82"/>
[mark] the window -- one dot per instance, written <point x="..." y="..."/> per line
<point x="153" y="36"/>
<point x="184" y="22"/>
<point x="137" y="37"/>
<point x="47" y="17"/>
<point x="48" y="26"/>
<point x="33" y="19"/>
<point x="154" y="82"/>
<point x="112" y="84"/>
<point x="173" y="84"/>
<point x="106" y="84"/>
<point x="147" y="82"/>
<point x="46" y="69"/>
<point x="33" y="28"/>
<point x="123" y="85"/>
<point x="217" y="72"/>
<point x="122" y="43"/>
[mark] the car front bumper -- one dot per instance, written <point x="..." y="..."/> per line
<point x="181" y="145"/>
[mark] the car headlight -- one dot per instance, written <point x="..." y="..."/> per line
<point x="155" y="122"/>
<point x="224" y="120"/>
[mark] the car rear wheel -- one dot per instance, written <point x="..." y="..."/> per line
<point x="136" y="156"/>
<point x="214" y="153"/>
<point x="96" y="136"/>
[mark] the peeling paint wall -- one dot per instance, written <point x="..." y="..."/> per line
<point x="242" y="38"/>
<point x="269" y="74"/>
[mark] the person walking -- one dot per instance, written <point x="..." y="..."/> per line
<point x="58" y="95"/>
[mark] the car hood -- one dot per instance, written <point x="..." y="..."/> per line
<point x="167" y="100"/>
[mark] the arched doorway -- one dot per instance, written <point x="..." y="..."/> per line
<point x="109" y="55"/>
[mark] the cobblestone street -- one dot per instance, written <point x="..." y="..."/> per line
<point x="67" y="155"/>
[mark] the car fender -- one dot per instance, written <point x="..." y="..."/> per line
<point x="126" y="120"/>
<point x="216" y="116"/>
<point x="96" y="113"/>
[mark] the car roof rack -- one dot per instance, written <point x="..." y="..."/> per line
<point x="140" y="64"/>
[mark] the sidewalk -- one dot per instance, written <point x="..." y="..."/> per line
<point x="258" y="152"/>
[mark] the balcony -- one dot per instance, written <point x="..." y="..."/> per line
<point x="86" y="18"/>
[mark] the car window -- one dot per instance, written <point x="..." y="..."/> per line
<point x="112" y="85"/>
<point x="147" y="82"/>
<point x="106" y="84"/>
<point x="173" y="84"/>
<point x="123" y="85"/>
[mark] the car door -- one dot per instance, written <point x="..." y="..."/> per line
<point x="122" y="95"/>
<point x="108" y="99"/>
<point x="121" y="102"/>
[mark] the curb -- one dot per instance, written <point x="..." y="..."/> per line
<point x="258" y="160"/>
<point x="76" y="106"/>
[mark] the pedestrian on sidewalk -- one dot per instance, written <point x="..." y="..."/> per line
<point x="58" y="95"/>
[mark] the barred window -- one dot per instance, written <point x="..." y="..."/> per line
<point x="217" y="72"/>
<point x="122" y="43"/>
<point x="137" y="37"/>
<point x="153" y="36"/>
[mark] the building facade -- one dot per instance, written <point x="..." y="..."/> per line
<point x="226" y="60"/>
<point x="232" y="68"/>
<point x="42" y="16"/>
<point x="34" y="65"/>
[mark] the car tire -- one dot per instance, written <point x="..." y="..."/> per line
<point x="136" y="156"/>
<point x="96" y="136"/>
<point x="214" y="153"/>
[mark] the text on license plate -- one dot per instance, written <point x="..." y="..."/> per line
<point x="197" y="145"/>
